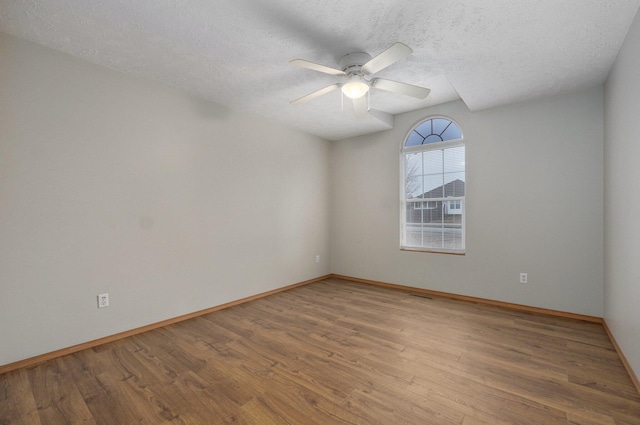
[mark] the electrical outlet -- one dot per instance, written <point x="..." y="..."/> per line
<point x="524" y="278"/>
<point x="318" y="258"/>
<point x="103" y="300"/>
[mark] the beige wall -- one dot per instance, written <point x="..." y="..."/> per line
<point x="109" y="183"/>
<point x="534" y="204"/>
<point x="622" y="199"/>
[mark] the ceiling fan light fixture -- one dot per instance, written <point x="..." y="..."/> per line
<point x="355" y="89"/>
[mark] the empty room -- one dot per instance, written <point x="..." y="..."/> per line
<point x="319" y="212"/>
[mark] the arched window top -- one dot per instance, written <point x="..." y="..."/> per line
<point x="433" y="130"/>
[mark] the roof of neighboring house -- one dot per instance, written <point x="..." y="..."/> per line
<point x="453" y="188"/>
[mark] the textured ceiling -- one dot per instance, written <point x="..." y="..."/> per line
<point x="236" y="52"/>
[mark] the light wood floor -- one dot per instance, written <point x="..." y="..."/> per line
<point x="336" y="352"/>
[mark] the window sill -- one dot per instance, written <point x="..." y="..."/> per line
<point x="433" y="251"/>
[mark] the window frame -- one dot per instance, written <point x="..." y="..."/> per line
<point x="404" y="151"/>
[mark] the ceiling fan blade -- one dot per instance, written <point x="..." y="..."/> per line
<point x="401" y="88"/>
<point x="385" y="117"/>
<point x="360" y="107"/>
<point x="316" y="67"/>
<point x="315" y="94"/>
<point x="390" y="56"/>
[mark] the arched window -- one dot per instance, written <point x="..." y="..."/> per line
<point x="433" y="187"/>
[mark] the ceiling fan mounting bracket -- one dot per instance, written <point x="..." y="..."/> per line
<point x="352" y="63"/>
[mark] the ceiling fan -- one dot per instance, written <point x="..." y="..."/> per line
<point x="356" y="67"/>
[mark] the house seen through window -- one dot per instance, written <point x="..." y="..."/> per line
<point x="433" y="187"/>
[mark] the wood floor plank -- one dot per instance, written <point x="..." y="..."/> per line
<point x="337" y="352"/>
<point x="479" y="398"/>
<point x="57" y="397"/>
<point x="17" y="404"/>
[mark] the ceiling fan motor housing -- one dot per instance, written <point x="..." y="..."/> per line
<point x="352" y="63"/>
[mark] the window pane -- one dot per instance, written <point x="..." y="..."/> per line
<point x="452" y="133"/>
<point x="452" y="235"/>
<point x="414" y="139"/>
<point x="413" y="163"/>
<point x="413" y="175"/>
<point x="433" y="187"/>
<point x="440" y="125"/>
<point x="454" y="185"/>
<point x="424" y="129"/>
<point x="454" y="159"/>
<point x="432" y="162"/>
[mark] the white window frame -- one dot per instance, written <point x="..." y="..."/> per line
<point x="403" y="215"/>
